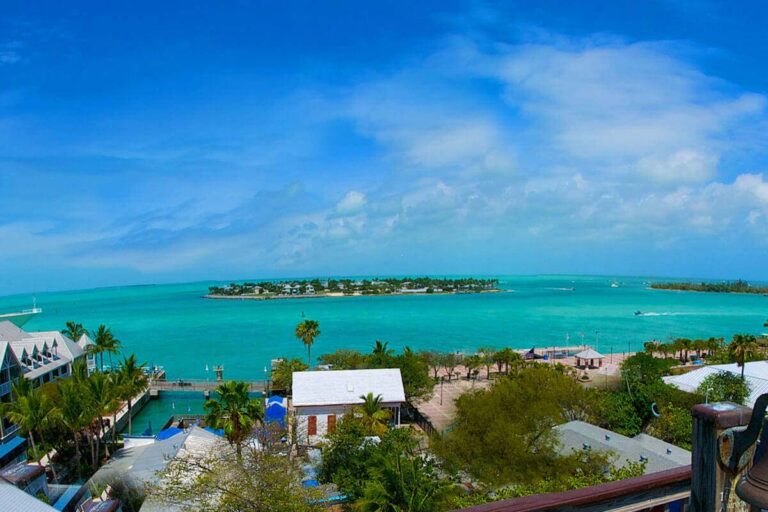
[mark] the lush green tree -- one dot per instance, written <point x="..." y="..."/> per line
<point x="616" y="411"/>
<point x="282" y="375"/>
<point x="74" y="331"/>
<point x="75" y="412"/>
<point x="472" y="363"/>
<point x="673" y="425"/>
<point x="724" y="386"/>
<point x="742" y="347"/>
<point x="345" y="359"/>
<point x="497" y="444"/>
<point x="403" y="482"/>
<point x="132" y="380"/>
<point x="486" y="357"/>
<point x="415" y="373"/>
<point x="644" y="368"/>
<point x="307" y="331"/>
<point x="348" y="455"/>
<point x="434" y="361"/>
<point x="372" y="415"/>
<point x="234" y="411"/>
<point x="450" y="360"/>
<point x="260" y="479"/>
<point x="32" y="410"/>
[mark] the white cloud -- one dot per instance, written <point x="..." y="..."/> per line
<point x="352" y="202"/>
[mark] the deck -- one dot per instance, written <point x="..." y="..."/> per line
<point x="197" y="385"/>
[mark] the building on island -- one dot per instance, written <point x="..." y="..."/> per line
<point x="658" y="455"/>
<point x="320" y="398"/>
<point x="755" y="373"/>
<point x="39" y="357"/>
<point x="589" y="358"/>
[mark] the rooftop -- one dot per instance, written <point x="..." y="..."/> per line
<point x="346" y="386"/>
<point x="755" y="373"/>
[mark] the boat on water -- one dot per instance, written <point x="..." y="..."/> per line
<point x="638" y="313"/>
<point x="21" y="317"/>
<point x="614" y="284"/>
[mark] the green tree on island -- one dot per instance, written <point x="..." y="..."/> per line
<point x="235" y="412"/>
<point x="307" y="331"/>
<point x="742" y="348"/>
<point x="74" y="331"/>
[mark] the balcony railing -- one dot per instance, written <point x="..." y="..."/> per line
<point x="657" y="491"/>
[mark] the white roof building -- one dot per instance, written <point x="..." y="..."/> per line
<point x="755" y="373"/>
<point x="589" y="354"/>
<point x="344" y="387"/>
<point x="321" y="397"/>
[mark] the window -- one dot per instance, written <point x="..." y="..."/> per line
<point x="331" y="423"/>
<point x="312" y="426"/>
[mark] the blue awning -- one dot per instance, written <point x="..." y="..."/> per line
<point x="11" y="445"/>
<point x="217" y="431"/>
<point x="168" y="433"/>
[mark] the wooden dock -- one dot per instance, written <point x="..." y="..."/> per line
<point x="204" y="386"/>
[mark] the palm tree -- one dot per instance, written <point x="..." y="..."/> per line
<point x="105" y="341"/>
<point x="486" y="354"/>
<point x="381" y="354"/>
<point x="32" y="410"/>
<point x="235" y="412"/>
<point x="742" y="347"/>
<point x="372" y="415"/>
<point x="103" y="394"/>
<point x="471" y="363"/>
<point x="74" y="413"/>
<point x="74" y="331"/>
<point x="307" y="331"/>
<point x="132" y="381"/>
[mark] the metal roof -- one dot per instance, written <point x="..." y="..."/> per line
<point x="344" y="387"/>
<point x="755" y="373"/>
<point x="660" y="455"/>
<point x="13" y="499"/>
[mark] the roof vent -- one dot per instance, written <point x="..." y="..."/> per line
<point x="350" y="388"/>
<point x="586" y="446"/>
<point x="643" y="458"/>
<point x="607" y="437"/>
<point x="669" y="451"/>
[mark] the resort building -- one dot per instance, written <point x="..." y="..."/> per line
<point x="658" y="455"/>
<point x="755" y="373"/>
<point x="320" y="398"/>
<point x="38" y="356"/>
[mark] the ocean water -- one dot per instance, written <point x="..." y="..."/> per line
<point x="172" y="326"/>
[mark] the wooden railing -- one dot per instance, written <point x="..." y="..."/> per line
<point x="657" y="491"/>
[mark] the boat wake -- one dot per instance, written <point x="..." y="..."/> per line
<point x="562" y="289"/>
<point x="665" y="313"/>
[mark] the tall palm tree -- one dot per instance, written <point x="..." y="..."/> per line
<point x="105" y="342"/>
<point x="235" y="412"/>
<point x="307" y="331"/>
<point x="32" y="410"/>
<point x="74" y="331"/>
<point x="742" y="347"/>
<point x="372" y="415"/>
<point x="103" y="394"/>
<point x="133" y="381"/>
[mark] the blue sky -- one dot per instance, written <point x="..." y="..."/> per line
<point x="172" y="141"/>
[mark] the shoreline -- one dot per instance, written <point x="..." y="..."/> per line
<point x="337" y="295"/>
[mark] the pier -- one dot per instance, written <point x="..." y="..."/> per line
<point x="204" y="386"/>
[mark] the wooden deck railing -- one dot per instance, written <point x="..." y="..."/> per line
<point x="654" y="491"/>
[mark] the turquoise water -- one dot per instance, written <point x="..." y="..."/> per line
<point x="158" y="411"/>
<point x="172" y="326"/>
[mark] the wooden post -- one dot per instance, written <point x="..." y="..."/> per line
<point x="708" y="477"/>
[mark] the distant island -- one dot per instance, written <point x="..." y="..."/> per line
<point x="737" y="286"/>
<point x="348" y="287"/>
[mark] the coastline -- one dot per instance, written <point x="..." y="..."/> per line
<point x="337" y="295"/>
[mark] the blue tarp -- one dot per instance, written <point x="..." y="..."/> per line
<point x="168" y="433"/>
<point x="11" y="445"/>
<point x="217" y="431"/>
<point x="275" y="399"/>
<point x="275" y="413"/>
<point x="310" y="483"/>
